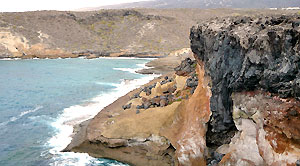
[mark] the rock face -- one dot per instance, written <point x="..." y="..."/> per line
<point x="242" y="55"/>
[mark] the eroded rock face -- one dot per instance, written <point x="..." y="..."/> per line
<point x="189" y="125"/>
<point x="244" y="54"/>
<point x="268" y="130"/>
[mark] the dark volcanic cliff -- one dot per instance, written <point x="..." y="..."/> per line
<point x="257" y="61"/>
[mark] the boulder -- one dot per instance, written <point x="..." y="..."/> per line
<point x="128" y="106"/>
<point x="163" y="103"/>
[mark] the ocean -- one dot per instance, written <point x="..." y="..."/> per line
<point x="41" y="100"/>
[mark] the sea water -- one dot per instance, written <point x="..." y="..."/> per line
<point x="42" y="99"/>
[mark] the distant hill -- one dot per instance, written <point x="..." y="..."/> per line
<point x="120" y="32"/>
<point x="204" y="4"/>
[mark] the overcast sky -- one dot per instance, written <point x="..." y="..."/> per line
<point x="30" y="5"/>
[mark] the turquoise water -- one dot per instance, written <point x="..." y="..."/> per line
<point x="41" y="100"/>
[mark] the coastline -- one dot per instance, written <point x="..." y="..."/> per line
<point x="159" y="66"/>
<point x="65" y="125"/>
<point x="67" y="122"/>
<point x="106" y="135"/>
<point x="79" y="135"/>
<point x="86" y="56"/>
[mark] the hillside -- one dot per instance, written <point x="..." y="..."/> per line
<point x="204" y="4"/>
<point x="126" y="32"/>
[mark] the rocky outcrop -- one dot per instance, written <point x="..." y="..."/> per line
<point x="253" y="65"/>
<point x="131" y="129"/>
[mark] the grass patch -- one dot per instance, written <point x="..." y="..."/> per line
<point x="179" y="100"/>
<point x="194" y="65"/>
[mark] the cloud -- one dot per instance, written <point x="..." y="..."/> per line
<point x="31" y="5"/>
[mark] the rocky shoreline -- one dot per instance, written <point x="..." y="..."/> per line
<point x="237" y="103"/>
<point x="87" y="55"/>
<point x="121" y="126"/>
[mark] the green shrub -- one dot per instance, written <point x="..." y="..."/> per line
<point x="194" y="65"/>
<point x="93" y="27"/>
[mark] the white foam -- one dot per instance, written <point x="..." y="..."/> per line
<point x="143" y="66"/>
<point x="130" y="70"/>
<point x="9" y="59"/>
<point x="12" y="119"/>
<point x="79" y="113"/>
<point x="134" y="70"/>
<point x="124" y="58"/>
<point x="107" y="83"/>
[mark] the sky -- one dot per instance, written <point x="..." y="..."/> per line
<point x="31" y="5"/>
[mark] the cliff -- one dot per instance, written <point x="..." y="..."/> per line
<point x="237" y="103"/>
<point x="126" y="32"/>
<point x="253" y="67"/>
